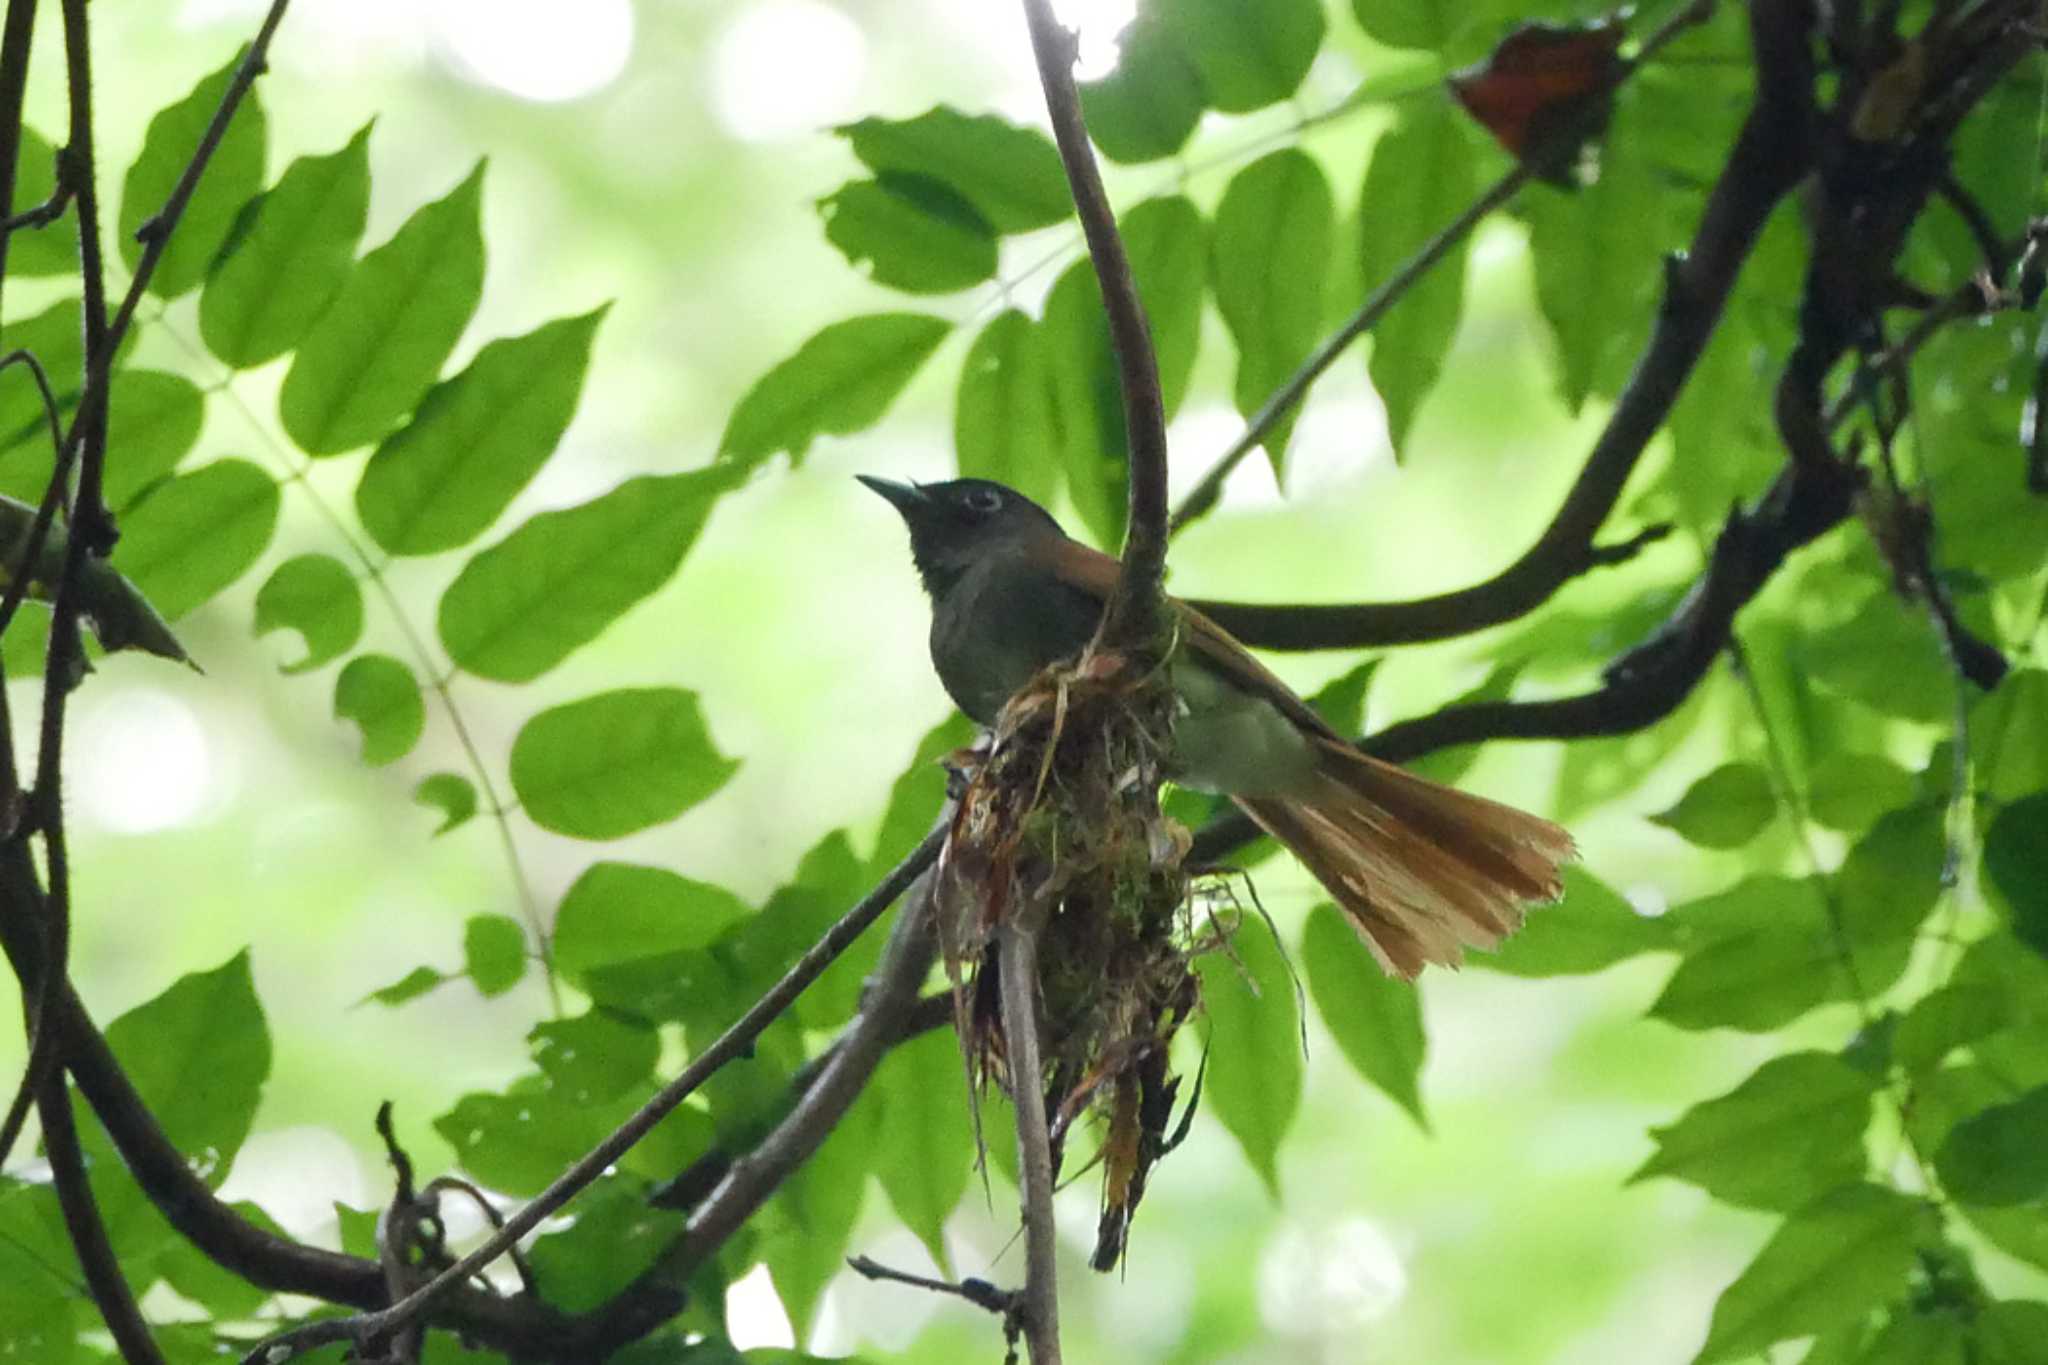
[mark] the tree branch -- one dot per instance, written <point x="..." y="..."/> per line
<point x="1039" y="1311"/>
<point x="1771" y="154"/>
<point x="366" y="1331"/>
<point x="1131" y="616"/>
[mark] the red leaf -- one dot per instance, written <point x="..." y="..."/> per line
<point x="1546" y="89"/>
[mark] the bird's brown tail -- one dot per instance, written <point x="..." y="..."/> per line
<point x="1422" y="870"/>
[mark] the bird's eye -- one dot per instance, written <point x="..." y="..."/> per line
<point x="982" y="501"/>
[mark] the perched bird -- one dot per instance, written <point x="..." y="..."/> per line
<point x="1422" y="870"/>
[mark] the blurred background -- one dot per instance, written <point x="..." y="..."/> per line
<point x="665" y="155"/>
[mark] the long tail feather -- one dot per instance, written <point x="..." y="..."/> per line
<point x="1422" y="870"/>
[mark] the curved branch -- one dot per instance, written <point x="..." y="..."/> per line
<point x="1771" y="154"/>
<point x="1132" y="614"/>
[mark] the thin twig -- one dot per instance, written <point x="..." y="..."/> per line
<point x="1130" y="618"/>
<point x="1017" y="948"/>
<point x="365" y="1330"/>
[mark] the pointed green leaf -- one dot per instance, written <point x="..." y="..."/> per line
<point x="924" y="1139"/>
<point x="1248" y="56"/>
<point x="153" y="421"/>
<point x="1149" y="105"/>
<point x="1004" y="424"/>
<point x="1942" y="1101"/>
<point x="518" y="1140"/>
<point x="1757" y="956"/>
<point x="619" y="912"/>
<point x="1011" y="176"/>
<point x="372" y="353"/>
<point x="1998" y="1156"/>
<point x="1884" y="891"/>
<point x="912" y="234"/>
<point x="2010" y="1332"/>
<point x="1791" y="1131"/>
<point x="55" y="337"/>
<point x="2000" y="965"/>
<point x="1848" y="791"/>
<point x="411" y="986"/>
<point x="1939" y="1023"/>
<point x="197" y="533"/>
<point x="493" y="953"/>
<point x="1341" y="701"/>
<point x="1833" y="1261"/>
<point x="1886" y="657"/>
<point x="1421" y="178"/>
<point x="1725" y="809"/>
<point x="1254" y="1076"/>
<point x="2016" y="864"/>
<point x="288" y="257"/>
<point x="1376" y="1019"/>
<point x="1168" y="245"/>
<point x="232" y="176"/>
<point x="1591" y="929"/>
<point x="319" y="598"/>
<point x="1407" y="23"/>
<point x="451" y="794"/>
<point x="440" y="480"/>
<point x="2009" y="736"/>
<point x="1270" y="255"/>
<point x="525" y="604"/>
<point x="595" y="1056"/>
<point x="812" y="1216"/>
<point x="380" y="694"/>
<point x="617" y="762"/>
<point x="840" y="381"/>
<point x="615" y="1238"/>
<point x="917" y="794"/>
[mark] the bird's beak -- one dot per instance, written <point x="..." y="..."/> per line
<point x="907" y="498"/>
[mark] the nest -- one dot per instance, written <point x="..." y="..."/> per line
<point x="1060" y="824"/>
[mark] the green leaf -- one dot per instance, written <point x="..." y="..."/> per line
<point x="522" y="606"/>
<point x="319" y="598"/>
<point x="2010" y="1332"/>
<point x="1407" y="23"/>
<point x="596" y="1056"/>
<point x="2016" y="864"/>
<point x="1376" y="1019"/>
<point x="1341" y="701"/>
<point x="1168" y="246"/>
<point x="617" y="762"/>
<point x="1939" y="1023"/>
<point x="1886" y="657"/>
<point x="619" y="912"/>
<point x="450" y="793"/>
<point x="1885" y="889"/>
<point x="519" y="1140"/>
<point x="1833" y="1261"/>
<point x="493" y="953"/>
<point x="380" y="694"/>
<point x="1269" y="256"/>
<point x="372" y="353"/>
<point x="1149" y="105"/>
<point x="1725" y="809"/>
<point x="840" y="381"/>
<point x="913" y="234"/>
<point x="1005" y="426"/>
<point x="924" y="1140"/>
<point x="197" y="533"/>
<point x="813" y="1215"/>
<point x="1248" y="56"/>
<point x="53" y="248"/>
<point x="616" y="1236"/>
<point x="1757" y="956"/>
<point x="411" y="986"/>
<point x="54" y="336"/>
<point x="2009" y="736"/>
<point x="1596" y="252"/>
<point x="916" y="795"/>
<point x="1942" y="1101"/>
<point x="233" y="174"/>
<point x="288" y="257"/>
<point x="439" y="481"/>
<point x="1791" y="1131"/>
<point x="1848" y="791"/>
<point x="1011" y="176"/>
<point x="1421" y="178"/>
<point x="1591" y="929"/>
<point x="153" y="421"/>
<point x="1997" y="1157"/>
<point x="1254" y="1076"/>
<point x="2001" y="965"/>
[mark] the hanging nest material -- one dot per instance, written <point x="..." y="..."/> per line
<point x="1060" y="824"/>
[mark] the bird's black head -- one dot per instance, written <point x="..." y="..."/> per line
<point x="951" y="523"/>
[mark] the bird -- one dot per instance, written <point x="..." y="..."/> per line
<point x="1422" y="871"/>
